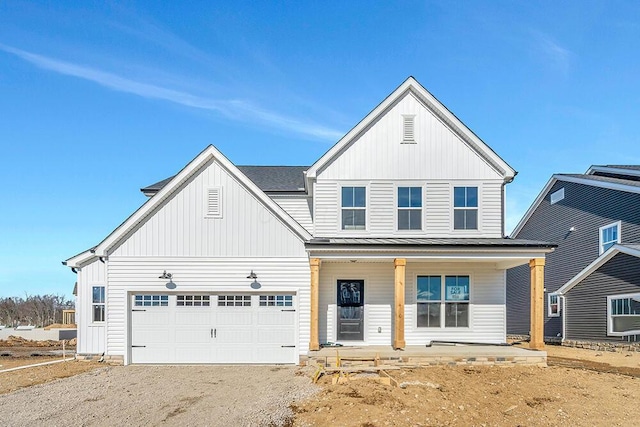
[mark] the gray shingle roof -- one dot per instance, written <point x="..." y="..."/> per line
<point x="602" y="179"/>
<point x="267" y="178"/>
<point x="365" y="241"/>
<point x="630" y="167"/>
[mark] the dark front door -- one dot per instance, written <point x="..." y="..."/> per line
<point x="350" y="310"/>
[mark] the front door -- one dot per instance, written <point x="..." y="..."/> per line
<point x="350" y="303"/>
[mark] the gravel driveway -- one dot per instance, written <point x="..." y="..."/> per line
<point x="161" y="395"/>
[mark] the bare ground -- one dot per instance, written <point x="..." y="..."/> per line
<point x="580" y="387"/>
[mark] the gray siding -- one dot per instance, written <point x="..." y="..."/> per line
<point x="586" y="303"/>
<point x="587" y="209"/>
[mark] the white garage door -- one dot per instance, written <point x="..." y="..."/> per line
<point x="224" y="328"/>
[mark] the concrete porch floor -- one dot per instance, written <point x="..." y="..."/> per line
<point x="437" y="354"/>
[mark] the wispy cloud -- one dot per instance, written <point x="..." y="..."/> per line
<point x="551" y="51"/>
<point x="236" y="109"/>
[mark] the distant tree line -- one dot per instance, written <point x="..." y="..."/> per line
<point x="37" y="310"/>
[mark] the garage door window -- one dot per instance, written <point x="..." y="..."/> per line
<point x="234" y="300"/>
<point x="151" y="300"/>
<point x="276" y="300"/>
<point x="193" y="301"/>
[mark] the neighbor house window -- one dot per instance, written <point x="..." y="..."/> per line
<point x="354" y="208"/>
<point x="609" y="236"/>
<point x="624" y="315"/>
<point x="553" y="308"/>
<point x="465" y="208"/>
<point x="409" y="208"/>
<point x="438" y="299"/>
<point x="97" y="304"/>
<point x="557" y="196"/>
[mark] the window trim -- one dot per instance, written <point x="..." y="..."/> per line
<point x="397" y="209"/>
<point x="478" y="186"/>
<point x="443" y="302"/>
<point x="610" y="331"/>
<point x="559" y="309"/>
<point x="365" y="208"/>
<point x="618" y="225"/>
<point x="103" y="304"/>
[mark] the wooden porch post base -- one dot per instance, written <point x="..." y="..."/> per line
<point x="314" y="263"/>
<point x="398" y="336"/>
<point x="536" y="340"/>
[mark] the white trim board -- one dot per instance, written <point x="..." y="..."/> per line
<point x="597" y="263"/>
<point x="564" y="178"/>
<point x="411" y="86"/>
<point x="140" y="216"/>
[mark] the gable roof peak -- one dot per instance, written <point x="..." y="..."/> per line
<point x="436" y="107"/>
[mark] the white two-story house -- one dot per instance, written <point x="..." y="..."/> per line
<point x="394" y="237"/>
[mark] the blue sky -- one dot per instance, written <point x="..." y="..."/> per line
<point x="98" y="99"/>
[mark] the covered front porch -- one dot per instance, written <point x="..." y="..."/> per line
<point x="368" y="293"/>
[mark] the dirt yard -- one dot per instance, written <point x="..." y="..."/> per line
<point x="580" y="387"/>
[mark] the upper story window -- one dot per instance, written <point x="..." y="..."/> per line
<point x="609" y="236"/>
<point x="409" y="208"/>
<point x="354" y="208"/>
<point x="465" y="208"/>
<point x="556" y="196"/>
<point x="97" y="304"/>
<point x="624" y="315"/>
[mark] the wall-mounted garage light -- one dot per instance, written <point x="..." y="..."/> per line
<point x="254" y="284"/>
<point x="170" y="284"/>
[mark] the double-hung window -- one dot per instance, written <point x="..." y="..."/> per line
<point x="354" y="208"/>
<point x="409" y="208"/>
<point x="439" y="299"/>
<point x="465" y="208"/>
<point x="553" y="307"/>
<point x="624" y="315"/>
<point x="609" y="236"/>
<point x="98" y="304"/>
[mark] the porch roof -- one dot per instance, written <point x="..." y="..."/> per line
<point x="505" y="253"/>
<point x="439" y="243"/>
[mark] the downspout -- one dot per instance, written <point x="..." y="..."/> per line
<point x="564" y="320"/>
<point x="503" y="202"/>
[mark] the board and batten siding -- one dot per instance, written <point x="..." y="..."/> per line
<point x="180" y="226"/>
<point x="586" y="208"/>
<point x="586" y="303"/>
<point x="298" y="207"/>
<point x="382" y="208"/>
<point x="202" y="275"/>
<point x="91" y="336"/>
<point x="438" y="152"/>
<point x="487" y="311"/>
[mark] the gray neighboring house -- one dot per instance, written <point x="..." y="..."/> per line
<point x="592" y="280"/>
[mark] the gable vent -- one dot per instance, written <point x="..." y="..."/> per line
<point x="408" y="130"/>
<point x="214" y="202"/>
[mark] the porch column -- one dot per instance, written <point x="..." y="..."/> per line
<point x="314" y="344"/>
<point x="398" y="336"/>
<point x="536" y="340"/>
